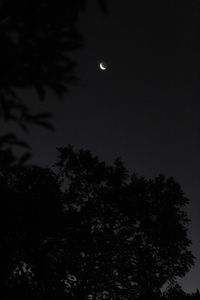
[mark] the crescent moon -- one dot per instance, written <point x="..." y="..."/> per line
<point x="102" y="67"/>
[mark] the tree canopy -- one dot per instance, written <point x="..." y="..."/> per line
<point x="90" y="231"/>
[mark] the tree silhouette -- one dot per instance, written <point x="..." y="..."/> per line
<point x="30" y="213"/>
<point x="137" y="227"/>
<point x="37" y="38"/>
<point x="90" y="231"/>
<point x="175" y="292"/>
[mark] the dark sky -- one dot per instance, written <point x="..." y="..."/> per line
<point x="145" y="108"/>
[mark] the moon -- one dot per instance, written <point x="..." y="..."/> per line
<point x="103" y="66"/>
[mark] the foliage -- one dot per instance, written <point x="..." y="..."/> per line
<point x="175" y="292"/>
<point x="90" y="231"/>
<point x="37" y="39"/>
<point x="139" y="225"/>
<point x="30" y="214"/>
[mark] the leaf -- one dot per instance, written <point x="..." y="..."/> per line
<point x="46" y="124"/>
<point x="24" y="158"/>
<point x="41" y="92"/>
<point x="103" y="5"/>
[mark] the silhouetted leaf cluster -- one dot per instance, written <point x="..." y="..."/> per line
<point x="175" y="292"/>
<point x="90" y="231"/>
<point x="37" y="38"/>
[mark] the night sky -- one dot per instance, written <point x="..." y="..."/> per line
<point x="145" y="107"/>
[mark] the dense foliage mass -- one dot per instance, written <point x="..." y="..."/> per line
<point x="90" y="231"/>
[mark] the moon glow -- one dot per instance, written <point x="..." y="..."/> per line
<point x="103" y="66"/>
